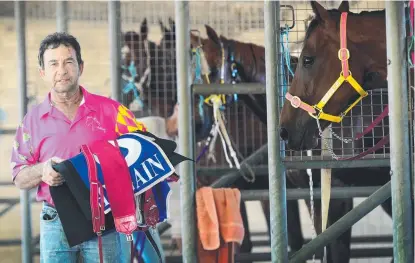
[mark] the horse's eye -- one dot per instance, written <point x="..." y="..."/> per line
<point x="308" y="61"/>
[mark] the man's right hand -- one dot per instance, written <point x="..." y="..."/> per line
<point x="50" y="176"/>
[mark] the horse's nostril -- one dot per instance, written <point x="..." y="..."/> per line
<point x="284" y="134"/>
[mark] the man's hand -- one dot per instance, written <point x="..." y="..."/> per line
<point x="50" y="176"/>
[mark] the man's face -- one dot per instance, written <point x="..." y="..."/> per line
<point x="61" y="70"/>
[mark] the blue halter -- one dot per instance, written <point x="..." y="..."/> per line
<point x="130" y="85"/>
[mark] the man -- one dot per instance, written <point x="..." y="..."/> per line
<point x="54" y="131"/>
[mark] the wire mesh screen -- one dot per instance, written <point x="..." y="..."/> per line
<point x="153" y="28"/>
<point x="149" y="43"/>
<point x="361" y="116"/>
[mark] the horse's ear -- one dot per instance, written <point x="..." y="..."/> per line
<point x="144" y="29"/>
<point x="172" y="25"/>
<point x="320" y="12"/>
<point x="162" y="27"/>
<point x="212" y="34"/>
<point x="344" y="6"/>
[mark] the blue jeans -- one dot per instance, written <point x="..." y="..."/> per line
<point x="55" y="248"/>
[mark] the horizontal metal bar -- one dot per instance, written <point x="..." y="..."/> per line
<point x="10" y="242"/>
<point x="304" y="162"/>
<point x="258" y="257"/>
<point x="261" y="170"/>
<point x="6" y="183"/>
<point x="304" y="193"/>
<point x="307" y="162"/>
<point x="259" y="156"/>
<point x="354" y="253"/>
<point x="344" y="223"/>
<point x="241" y="88"/>
<point x="355" y="240"/>
<point x="9" y="200"/>
<point x="17" y="242"/>
<point x="7" y="131"/>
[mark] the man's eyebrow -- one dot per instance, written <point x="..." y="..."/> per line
<point x="67" y="59"/>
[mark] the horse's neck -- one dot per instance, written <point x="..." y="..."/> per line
<point x="252" y="57"/>
<point x="371" y="43"/>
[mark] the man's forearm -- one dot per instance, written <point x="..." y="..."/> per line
<point x="29" y="177"/>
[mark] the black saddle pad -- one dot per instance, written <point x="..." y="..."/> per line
<point x="72" y="204"/>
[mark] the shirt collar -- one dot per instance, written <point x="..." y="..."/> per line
<point x="88" y="100"/>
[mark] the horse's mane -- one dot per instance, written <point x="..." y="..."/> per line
<point x="254" y="48"/>
<point x="334" y="13"/>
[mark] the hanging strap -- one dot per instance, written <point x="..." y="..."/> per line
<point x="97" y="208"/>
<point x="117" y="180"/>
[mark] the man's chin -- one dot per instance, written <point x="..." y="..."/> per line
<point x="65" y="88"/>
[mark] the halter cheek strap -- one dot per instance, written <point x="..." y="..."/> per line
<point x="316" y="111"/>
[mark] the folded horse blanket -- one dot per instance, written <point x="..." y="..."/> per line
<point x="150" y="161"/>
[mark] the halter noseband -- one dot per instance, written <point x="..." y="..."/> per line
<point x="316" y="111"/>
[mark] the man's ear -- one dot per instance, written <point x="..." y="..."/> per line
<point x="81" y="68"/>
<point x="41" y="72"/>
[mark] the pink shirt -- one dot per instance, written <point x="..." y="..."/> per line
<point x="46" y="132"/>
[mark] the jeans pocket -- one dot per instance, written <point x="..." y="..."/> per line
<point x="48" y="214"/>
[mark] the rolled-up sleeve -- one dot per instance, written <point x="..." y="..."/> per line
<point x="22" y="152"/>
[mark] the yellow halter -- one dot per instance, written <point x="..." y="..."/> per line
<point x="316" y="111"/>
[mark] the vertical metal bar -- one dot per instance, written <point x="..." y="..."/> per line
<point x="277" y="187"/>
<point x="26" y="234"/>
<point x="399" y="132"/>
<point x="186" y="132"/>
<point x="62" y="16"/>
<point x="114" y="23"/>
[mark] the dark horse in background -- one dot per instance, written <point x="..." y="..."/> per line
<point x="317" y="69"/>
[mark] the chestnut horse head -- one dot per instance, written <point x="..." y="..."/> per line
<point x="343" y="56"/>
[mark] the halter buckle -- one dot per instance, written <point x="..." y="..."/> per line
<point x="343" y="52"/>
<point x="295" y="102"/>
<point x="318" y="112"/>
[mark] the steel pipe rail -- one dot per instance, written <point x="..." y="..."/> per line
<point x="277" y="180"/>
<point x="26" y="227"/>
<point x="344" y="223"/>
<point x="62" y="16"/>
<point x="257" y="157"/>
<point x="186" y="133"/>
<point x="114" y="30"/>
<point x="307" y="162"/>
<point x="299" y="163"/>
<point x="261" y="170"/>
<point x="403" y="247"/>
<point x="240" y="88"/>
<point x="380" y="252"/>
<point x="7" y="131"/>
<point x="304" y="193"/>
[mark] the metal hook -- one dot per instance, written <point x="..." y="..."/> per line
<point x="293" y="13"/>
